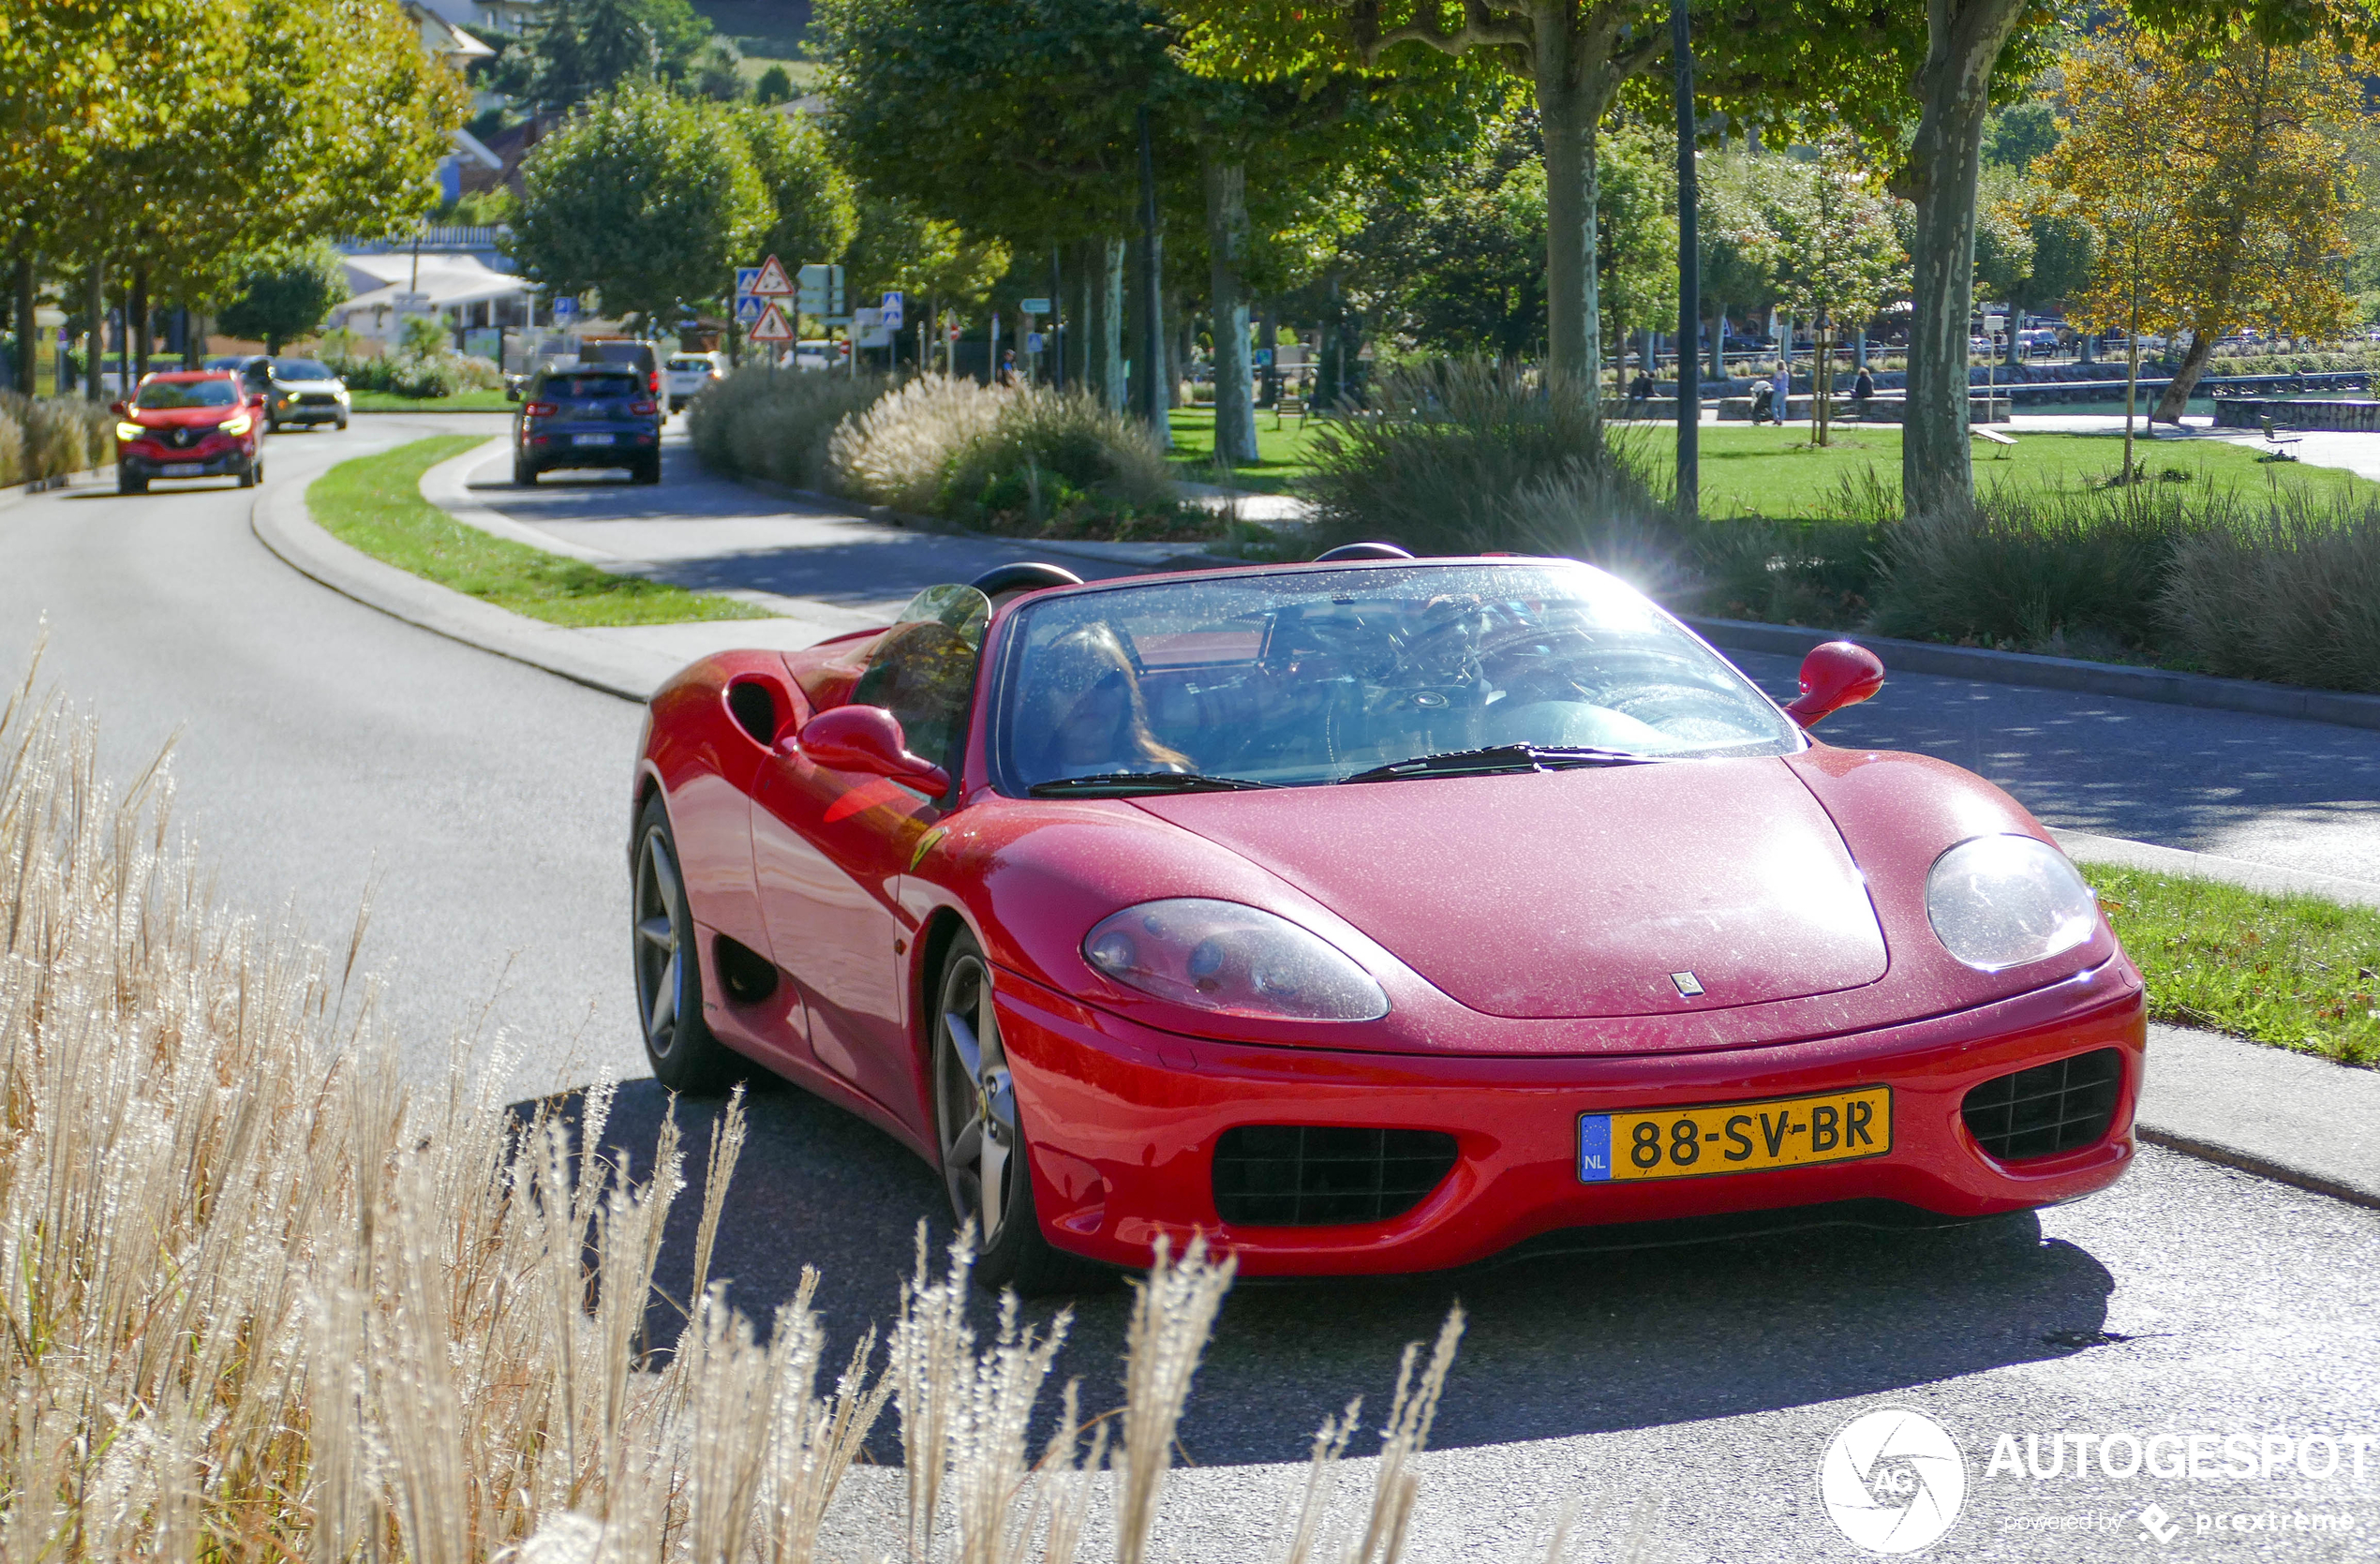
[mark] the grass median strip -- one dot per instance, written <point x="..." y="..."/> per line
<point x="375" y="503"/>
<point x="2296" y="972"/>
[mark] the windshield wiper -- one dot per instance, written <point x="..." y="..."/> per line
<point x="1123" y="785"/>
<point x="1501" y="757"/>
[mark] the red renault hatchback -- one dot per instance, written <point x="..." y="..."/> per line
<point x="190" y="424"/>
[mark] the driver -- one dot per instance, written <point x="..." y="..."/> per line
<point x="1083" y="715"/>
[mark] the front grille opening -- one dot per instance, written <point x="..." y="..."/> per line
<point x="1312" y="1176"/>
<point x="2046" y="1109"/>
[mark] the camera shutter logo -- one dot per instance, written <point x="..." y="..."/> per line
<point x="1893" y="1481"/>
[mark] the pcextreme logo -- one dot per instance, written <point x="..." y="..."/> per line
<point x="1893" y="1481"/>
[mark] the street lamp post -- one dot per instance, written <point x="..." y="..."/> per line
<point x="1689" y="275"/>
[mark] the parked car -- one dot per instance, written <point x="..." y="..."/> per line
<point x="190" y="424"/>
<point x="588" y="416"/>
<point x="687" y="375"/>
<point x="2037" y="342"/>
<point x="819" y="353"/>
<point x="1368" y="915"/>
<point x="303" y="391"/>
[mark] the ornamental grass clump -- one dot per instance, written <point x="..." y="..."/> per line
<point x="1065" y="465"/>
<point x="49" y="437"/>
<point x="265" y="1300"/>
<point x="2288" y="591"/>
<point x="775" y="424"/>
<point x="1443" y="461"/>
<point x="896" y="451"/>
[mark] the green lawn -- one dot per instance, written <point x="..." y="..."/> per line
<point x="1776" y="472"/>
<point x="1283" y="451"/>
<point x="2293" y="970"/>
<point x="375" y="503"/>
<point x="468" y="401"/>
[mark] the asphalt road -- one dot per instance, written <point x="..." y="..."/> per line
<point x="1687" y="1394"/>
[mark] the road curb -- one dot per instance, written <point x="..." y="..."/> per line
<point x="2261" y="1167"/>
<point x="447" y="487"/>
<point x="281" y="521"/>
<point x="2269" y="879"/>
<point x="2059" y="672"/>
<point x="1142" y="557"/>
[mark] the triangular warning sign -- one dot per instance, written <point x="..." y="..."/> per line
<point x="773" y="326"/>
<point x="773" y="283"/>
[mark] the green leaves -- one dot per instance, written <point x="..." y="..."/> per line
<point x="644" y="198"/>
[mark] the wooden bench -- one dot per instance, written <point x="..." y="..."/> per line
<point x="1289" y="405"/>
<point x="1993" y="434"/>
<point x="2277" y="443"/>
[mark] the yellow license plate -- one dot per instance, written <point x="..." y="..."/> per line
<point x="1736" y="1137"/>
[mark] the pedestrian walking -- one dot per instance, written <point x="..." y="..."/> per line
<point x="1784" y="391"/>
<point x="1008" y="375"/>
<point x="1862" y="393"/>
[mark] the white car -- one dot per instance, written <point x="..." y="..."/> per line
<point x="686" y="376"/>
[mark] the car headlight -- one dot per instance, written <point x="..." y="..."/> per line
<point x="1232" y="959"/>
<point x="130" y="431"/>
<point x="1999" y="901"/>
<point x="238" y="424"/>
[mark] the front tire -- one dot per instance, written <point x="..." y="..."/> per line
<point x="524" y="472"/>
<point x="985" y="1157"/>
<point x="679" y="1044"/>
<point x="252" y="476"/>
<point x="646" y="471"/>
<point x="126" y="483"/>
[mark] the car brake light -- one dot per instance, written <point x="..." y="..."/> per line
<point x="537" y="410"/>
<point x="643" y="406"/>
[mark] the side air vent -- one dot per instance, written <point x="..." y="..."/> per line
<point x="2046" y="1109"/>
<point x="1310" y="1176"/>
<point x="754" y="710"/>
<point x="748" y="976"/>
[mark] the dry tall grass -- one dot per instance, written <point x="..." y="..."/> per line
<point x="776" y="424"/>
<point x="263" y="1302"/>
<point x="50" y="437"/>
<point x="2288" y="592"/>
<point x="896" y="451"/>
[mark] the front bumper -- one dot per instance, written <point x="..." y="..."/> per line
<point x="1124" y="1120"/>
<point x="309" y="412"/>
<point x="220" y="462"/>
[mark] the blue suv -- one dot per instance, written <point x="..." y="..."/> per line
<point x="590" y="415"/>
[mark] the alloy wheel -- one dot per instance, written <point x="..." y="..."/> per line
<point x="975" y="1102"/>
<point x="659" y="971"/>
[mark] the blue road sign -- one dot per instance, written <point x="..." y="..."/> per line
<point x="566" y="307"/>
<point x="747" y="280"/>
<point x="748" y="308"/>
<point x="892" y="317"/>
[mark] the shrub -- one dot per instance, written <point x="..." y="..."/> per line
<point x="439" y="374"/>
<point x="896" y="451"/>
<point x="1447" y="449"/>
<point x="266" y="1301"/>
<point x="2033" y="570"/>
<point x="49" y="437"/>
<point x="776" y="424"/>
<point x="2291" y="593"/>
<point x="1065" y="465"/>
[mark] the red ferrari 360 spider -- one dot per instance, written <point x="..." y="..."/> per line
<point x="1368" y="915"/>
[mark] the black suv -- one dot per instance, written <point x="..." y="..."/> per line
<point x="592" y="415"/>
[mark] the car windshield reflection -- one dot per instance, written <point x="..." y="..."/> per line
<point x="158" y="396"/>
<point x="1314" y="678"/>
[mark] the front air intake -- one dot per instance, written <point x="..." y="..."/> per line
<point x="1312" y="1176"/>
<point x="2047" y="1109"/>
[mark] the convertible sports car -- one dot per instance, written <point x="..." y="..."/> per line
<point x="1370" y="915"/>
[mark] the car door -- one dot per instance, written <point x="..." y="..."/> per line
<point x="829" y="849"/>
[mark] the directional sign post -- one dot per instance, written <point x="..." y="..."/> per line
<point x="1034" y="306"/>
<point x="821" y="292"/>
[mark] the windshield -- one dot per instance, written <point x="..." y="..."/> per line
<point x="580" y="388"/>
<point x="1318" y="676"/>
<point x="158" y="394"/>
<point x="701" y="364"/>
<point x="300" y="369"/>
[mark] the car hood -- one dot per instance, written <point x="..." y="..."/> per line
<point x="1603" y="892"/>
<point x="182" y="418"/>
